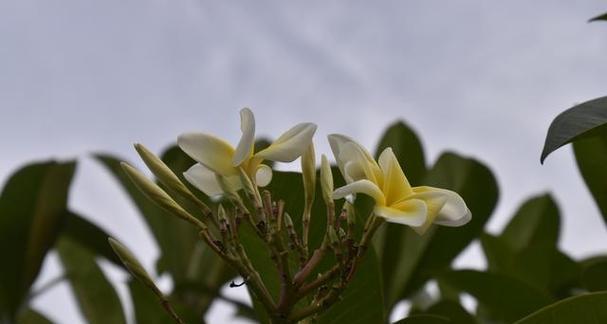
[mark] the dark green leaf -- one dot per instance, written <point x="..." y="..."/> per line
<point x="90" y="236"/>
<point x="587" y="309"/>
<point x="594" y="275"/>
<point x="424" y="256"/>
<point x="96" y="297"/>
<point x="506" y="298"/>
<point x="30" y="316"/>
<point x="591" y="158"/>
<point x="148" y="310"/>
<point x="424" y="319"/>
<point x="574" y="123"/>
<point x="32" y="213"/>
<point x="600" y="17"/>
<point x="453" y="311"/>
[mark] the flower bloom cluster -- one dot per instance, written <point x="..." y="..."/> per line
<point x="232" y="178"/>
<point x="384" y="180"/>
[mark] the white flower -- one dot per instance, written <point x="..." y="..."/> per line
<point x="219" y="161"/>
<point x="395" y="199"/>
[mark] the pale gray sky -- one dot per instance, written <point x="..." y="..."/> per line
<point x="483" y="78"/>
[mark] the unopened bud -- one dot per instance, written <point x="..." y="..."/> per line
<point x="288" y="220"/>
<point x="333" y="239"/>
<point x="326" y="180"/>
<point x="133" y="265"/>
<point x="308" y="169"/>
<point x="159" y="196"/>
<point x="161" y="170"/>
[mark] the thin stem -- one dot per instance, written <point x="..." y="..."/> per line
<point x="167" y="307"/>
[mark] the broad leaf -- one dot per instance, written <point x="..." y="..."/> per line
<point x="504" y="297"/>
<point x="96" y="297"/>
<point x="587" y="309"/>
<point x="90" y="236"/>
<point x="591" y="157"/>
<point x="424" y="256"/>
<point x="32" y="213"/>
<point x="594" y="275"/>
<point x="573" y="123"/>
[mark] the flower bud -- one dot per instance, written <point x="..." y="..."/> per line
<point x="159" y="196"/>
<point x="133" y="265"/>
<point x="308" y="169"/>
<point x="326" y="180"/>
<point x="161" y="170"/>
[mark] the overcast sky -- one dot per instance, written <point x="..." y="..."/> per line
<point x="483" y="78"/>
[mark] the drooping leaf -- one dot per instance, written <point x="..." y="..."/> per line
<point x="591" y="157"/>
<point x="424" y="256"/>
<point x="599" y="17"/>
<point x="572" y="124"/>
<point x="504" y="297"/>
<point x="587" y="309"/>
<point x="30" y="316"/>
<point x="32" y="213"/>
<point x="536" y="222"/>
<point x="90" y="236"/>
<point x="95" y="296"/>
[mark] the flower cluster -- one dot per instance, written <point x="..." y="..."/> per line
<point x="234" y="179"/>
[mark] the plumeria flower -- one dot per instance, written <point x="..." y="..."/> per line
<point x="218" y="162"/>
<point x="395" y="200"/>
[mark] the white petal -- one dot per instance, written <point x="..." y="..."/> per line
<point x="203" y="179"/>
<point x="361" y="186"/>
<point x="412" y="213"/>
<point x="454" y="211"/>
<point x="290" y="145"/>
<point x="212" y="152"/>
<point x="263" y="175"/>
<point x="245" y="147"/>
<point x="347" y="151"/>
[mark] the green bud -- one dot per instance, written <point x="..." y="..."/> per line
<point x="133" y="265"/>
<point x="350" y="214"/>
<point x="308" y="169"/>
<point x="326" y="180"/>
<point x="162" y="171"/>
<point x="248" y="185"/>
<point x="159" y="196"/>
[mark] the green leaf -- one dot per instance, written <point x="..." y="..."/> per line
<point x="599" y="17"/>
<point x="528" y="244"/>
<point x="30" y="316"/>
<point x="504" y="297"/>
<point x="424" y="256"/>
<point x="96" y="297"/>
<point x="148" y="310"/>
<point x="424" y="319"/>
<point x="32" y="213"/>
<point x="90" y="236"/>
<point x="587" y="309"/>
<point x="591" y="157"/>
<point x="574" y="123"/>
<point x="453" y="311"/>
<point x="594" y="275"/>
